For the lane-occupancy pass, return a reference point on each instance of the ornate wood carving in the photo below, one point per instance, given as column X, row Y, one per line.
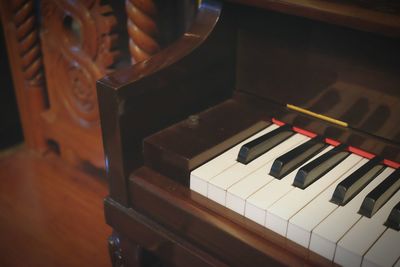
column 24, row 51
column 142, row 29
column 78, row 47
column 28, row 40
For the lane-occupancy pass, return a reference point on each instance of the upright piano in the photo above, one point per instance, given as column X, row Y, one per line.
column 267, row 135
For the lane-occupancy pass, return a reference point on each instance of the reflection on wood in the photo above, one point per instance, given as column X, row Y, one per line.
column 142, row 29
column 50, row 214
column 78, row 44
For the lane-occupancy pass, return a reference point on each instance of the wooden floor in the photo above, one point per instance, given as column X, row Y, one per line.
column 50, row 214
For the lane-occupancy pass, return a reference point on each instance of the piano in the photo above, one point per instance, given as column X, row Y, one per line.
column 267, row 135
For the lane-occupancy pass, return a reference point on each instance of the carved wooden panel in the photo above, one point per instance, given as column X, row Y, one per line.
column 58, row 50
column 78, row 48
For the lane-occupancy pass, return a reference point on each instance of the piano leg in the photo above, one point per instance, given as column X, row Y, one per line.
column 126, row 253
column 115, row 251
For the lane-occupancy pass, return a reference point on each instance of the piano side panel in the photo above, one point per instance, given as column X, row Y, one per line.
column 194, row 73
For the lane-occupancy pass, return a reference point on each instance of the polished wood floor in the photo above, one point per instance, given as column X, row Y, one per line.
column 50, row 214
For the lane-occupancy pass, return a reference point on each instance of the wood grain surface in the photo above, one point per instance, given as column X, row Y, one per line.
column 50, row 214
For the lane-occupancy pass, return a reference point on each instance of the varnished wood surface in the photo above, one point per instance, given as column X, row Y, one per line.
column 180, row 148
column 50, row 214
column 338, row 72
column 371, row 16
column 169, row 84
column 237, row 50
column 228, row 236
column 141, row 234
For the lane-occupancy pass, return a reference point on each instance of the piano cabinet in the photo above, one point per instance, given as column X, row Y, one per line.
column 233, row 70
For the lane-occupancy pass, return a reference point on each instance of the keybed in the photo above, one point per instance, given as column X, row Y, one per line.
column 313, row 193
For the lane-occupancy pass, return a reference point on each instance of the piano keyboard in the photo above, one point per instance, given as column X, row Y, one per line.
column 338, row 204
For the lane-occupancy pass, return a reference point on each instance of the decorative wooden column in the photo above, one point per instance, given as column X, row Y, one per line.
column 142, row 29
column 24, row 50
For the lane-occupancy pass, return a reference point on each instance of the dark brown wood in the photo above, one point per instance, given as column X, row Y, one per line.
column 199, row 74
column 373, row 16
column 304, row 63
column 168, row 247
column 218, row 230
column 50, row 214
column 180, row 148
column 115, row 251
column 261, row 60
column 363, row 140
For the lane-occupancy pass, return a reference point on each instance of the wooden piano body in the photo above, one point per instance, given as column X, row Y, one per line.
column 239, row 63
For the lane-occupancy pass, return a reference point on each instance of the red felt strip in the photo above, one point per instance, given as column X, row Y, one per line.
column 392, row 164
column 304, row 132
column 278, row 122
column 332, row 142
column 361, row 152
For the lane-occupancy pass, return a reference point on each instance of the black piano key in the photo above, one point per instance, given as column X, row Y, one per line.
column 296, row 157
column 264, row 143
column 393, row 221
column 314, row 170
column 380, row 195
column 355, row 182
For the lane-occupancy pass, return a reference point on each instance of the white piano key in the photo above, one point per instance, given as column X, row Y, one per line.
column 302, row 223
column 217, row 186
column 257, row 203
column 281, row 211
column 201, row 175
column 326, row 235
column 238, row 193
column 356, row 242
column 385, row 251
